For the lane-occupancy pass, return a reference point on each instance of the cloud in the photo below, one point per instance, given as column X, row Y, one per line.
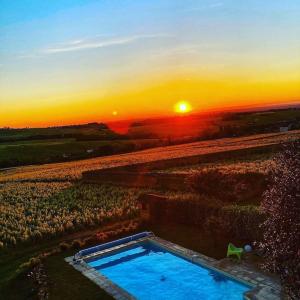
column 216, row 4
column 209, row 6
column 183, row 50
column 79, row 45
column 28, row 56
column 177, row 50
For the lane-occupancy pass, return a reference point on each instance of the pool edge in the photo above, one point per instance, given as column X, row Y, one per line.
column 260, row 290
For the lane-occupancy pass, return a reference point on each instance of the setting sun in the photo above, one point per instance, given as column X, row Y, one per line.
column 182, row 107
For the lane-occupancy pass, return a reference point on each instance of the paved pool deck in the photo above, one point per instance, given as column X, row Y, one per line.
column 264, row 287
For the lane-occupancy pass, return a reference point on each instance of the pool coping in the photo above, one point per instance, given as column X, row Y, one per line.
column 263, row 287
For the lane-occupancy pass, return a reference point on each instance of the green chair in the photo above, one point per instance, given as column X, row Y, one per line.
column 232, row 250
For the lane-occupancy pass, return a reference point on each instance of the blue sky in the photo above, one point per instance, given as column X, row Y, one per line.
column 56, row 52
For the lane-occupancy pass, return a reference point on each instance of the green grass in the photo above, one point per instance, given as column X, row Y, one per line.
column 55, row 150
column 34, row 142
column 64, row 282
column 268, row 118
column 67, row 283
column 85, row 129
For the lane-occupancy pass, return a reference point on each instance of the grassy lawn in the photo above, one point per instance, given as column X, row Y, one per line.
column 61, row 276
column 47, row 151
column 67, row 283
column 63, row 280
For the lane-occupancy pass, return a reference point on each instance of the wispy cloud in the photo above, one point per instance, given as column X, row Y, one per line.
column 177, row 50
column 216, row 4
column 85, row 44
column 97, row 42
column 205, row 7
column 183, row 50
column 28, row 56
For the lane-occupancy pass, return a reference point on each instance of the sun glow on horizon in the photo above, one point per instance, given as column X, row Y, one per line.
column 144, row 59
column 182, row 107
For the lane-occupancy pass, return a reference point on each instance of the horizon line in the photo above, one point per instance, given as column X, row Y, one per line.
column 236, row 109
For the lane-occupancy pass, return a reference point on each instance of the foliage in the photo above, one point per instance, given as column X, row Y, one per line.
column 31, row 211
column 63, row 246
column 233, row 188
column 262, row 165
column 282, row 227
column 211, row 183
column 210, row 214
column 242, row 222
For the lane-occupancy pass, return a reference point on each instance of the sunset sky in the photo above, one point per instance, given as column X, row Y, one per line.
column 74, row 61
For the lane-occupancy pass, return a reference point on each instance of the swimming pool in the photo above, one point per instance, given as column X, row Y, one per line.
column 147, row 270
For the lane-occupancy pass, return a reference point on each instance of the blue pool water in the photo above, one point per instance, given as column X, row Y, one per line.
column 148, row 272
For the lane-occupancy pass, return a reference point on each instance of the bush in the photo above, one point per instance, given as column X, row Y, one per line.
column 242, row 222
column 282, row 227
column 32, row 262
column 232, row 188
column 76, row 244
column 64, row 246
column 211, row 183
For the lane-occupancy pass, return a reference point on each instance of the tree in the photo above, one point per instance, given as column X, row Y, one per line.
column 281, row 203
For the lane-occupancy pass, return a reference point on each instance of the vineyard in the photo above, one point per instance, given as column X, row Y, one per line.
column 31, row 211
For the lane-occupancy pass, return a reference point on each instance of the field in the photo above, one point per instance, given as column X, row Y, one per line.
column 239, row 167
column 28, row 146
column 46, row 200
column 99, row 130
column 46, row 145
column 69, row 171
column 32, row 211
column 58, row 150
column 43, row 205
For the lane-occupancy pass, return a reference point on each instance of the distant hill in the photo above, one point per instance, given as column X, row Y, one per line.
column 211, row 125
column 90, row 131
column 72, row 142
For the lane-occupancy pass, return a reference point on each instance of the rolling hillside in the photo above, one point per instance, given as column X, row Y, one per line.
column 73, row 170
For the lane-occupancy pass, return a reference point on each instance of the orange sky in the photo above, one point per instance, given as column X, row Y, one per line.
column 140, row 59
column 152, row 100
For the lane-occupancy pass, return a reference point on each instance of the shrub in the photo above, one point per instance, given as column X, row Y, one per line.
column 282, row 227
column 90, row 240
column 32, row 262
column 76, row 244
column 244, row 188
column 64, row 246
column 237, row 221
column 211, row 183
column 242, row 222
